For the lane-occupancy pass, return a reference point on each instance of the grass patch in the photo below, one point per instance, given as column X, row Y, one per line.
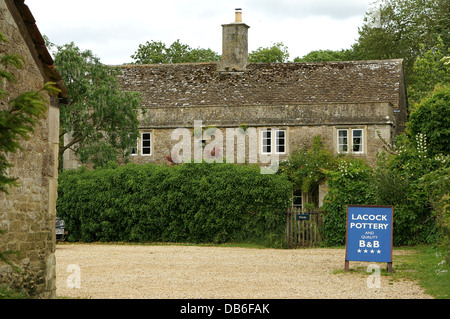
column 6, row 293
column 426, row 265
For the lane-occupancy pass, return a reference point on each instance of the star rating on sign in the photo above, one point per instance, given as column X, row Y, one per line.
column 365, row 251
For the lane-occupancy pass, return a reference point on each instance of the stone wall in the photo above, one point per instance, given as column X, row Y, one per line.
column 297, row 138
column 27, row 213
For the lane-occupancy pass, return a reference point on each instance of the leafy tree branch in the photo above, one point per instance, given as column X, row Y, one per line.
column 100, row 119
column 18, row 115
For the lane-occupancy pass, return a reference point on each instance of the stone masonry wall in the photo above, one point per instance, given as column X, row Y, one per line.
column 297, row 138
column 27, row 213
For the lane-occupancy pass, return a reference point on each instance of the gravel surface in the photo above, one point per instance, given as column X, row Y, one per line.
column 193, row 272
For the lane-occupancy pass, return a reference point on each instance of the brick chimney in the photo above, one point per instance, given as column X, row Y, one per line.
column 234, row 45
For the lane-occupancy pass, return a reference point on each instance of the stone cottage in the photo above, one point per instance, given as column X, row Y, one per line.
column 284, row 105
column 237, row 112
column 27, row 213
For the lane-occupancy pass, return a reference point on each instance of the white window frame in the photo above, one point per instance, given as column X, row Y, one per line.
column 277, row 144
column 146, row 147
column 350, row 139
column 274, row 139
column 361, row 151
column 345, row 142
column 264, row 140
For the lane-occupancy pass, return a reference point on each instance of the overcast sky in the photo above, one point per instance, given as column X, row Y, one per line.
column 113, row 29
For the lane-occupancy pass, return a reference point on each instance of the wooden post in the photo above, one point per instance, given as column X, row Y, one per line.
column 389, row 266
column 347, row 266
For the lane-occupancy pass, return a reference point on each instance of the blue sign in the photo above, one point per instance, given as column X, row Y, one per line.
column 302, row 217
column 369, row 233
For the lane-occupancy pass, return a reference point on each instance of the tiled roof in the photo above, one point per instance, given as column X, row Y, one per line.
column 201, row 84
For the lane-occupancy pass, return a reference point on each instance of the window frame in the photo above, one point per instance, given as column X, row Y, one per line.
column 277, row 144
column 274, row 143
column 361, row 141
column 350, row 140
column 297, row 196
column 150, row 139
column 339, row 130
column 264, row 139
column 136, row 146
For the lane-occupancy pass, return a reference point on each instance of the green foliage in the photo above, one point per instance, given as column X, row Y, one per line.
column 7, row 293
column 401, row 174
column 101, row 118
column 431, row 118
column 428, row 267
column 349, row 184
column 326, row 55
column 22, row 114
column 196, row 203
column 410, row 177
column 402, row 29
column 5, row 259
column 431, row 69
column 156, row 52
column 307, row 168
column 277, row 53
column 437, row 186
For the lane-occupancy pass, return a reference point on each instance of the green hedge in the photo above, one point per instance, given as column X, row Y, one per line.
column 196, row 203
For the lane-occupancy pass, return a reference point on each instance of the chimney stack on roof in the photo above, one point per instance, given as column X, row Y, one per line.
column 234, row 45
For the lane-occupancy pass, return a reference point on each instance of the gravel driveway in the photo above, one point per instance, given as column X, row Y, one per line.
column 193, row 272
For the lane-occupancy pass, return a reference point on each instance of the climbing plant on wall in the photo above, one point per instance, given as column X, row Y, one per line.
column 18, row 114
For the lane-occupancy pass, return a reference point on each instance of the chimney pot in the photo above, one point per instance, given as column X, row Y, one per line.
column 238, row 15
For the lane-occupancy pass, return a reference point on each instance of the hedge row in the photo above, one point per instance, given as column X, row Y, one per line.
column 196, row 203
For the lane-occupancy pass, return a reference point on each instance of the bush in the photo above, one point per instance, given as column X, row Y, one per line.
column 306, row 168
column 408, row 177
column 348, row 185
column 400, row 180
column 430, row 118
column 196, row 203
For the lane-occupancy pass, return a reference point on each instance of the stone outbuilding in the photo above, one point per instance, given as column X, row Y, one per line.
column 27, row 213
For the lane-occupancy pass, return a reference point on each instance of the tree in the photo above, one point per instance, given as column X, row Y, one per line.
column 100, row 119
column 156, row 52
column 21, row 115
column 400, row 28
column 326, row 55
column 277, row 53
column 429, row 70
column 431, row 118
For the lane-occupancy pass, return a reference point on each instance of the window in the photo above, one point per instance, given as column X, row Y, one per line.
column 297, row 200
column 357, row 140
column 271, row 142
column 342, row 141
column 353, row 143
column 280, row 141
column 266, row 142
column 146, row 144
column 134, row 149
